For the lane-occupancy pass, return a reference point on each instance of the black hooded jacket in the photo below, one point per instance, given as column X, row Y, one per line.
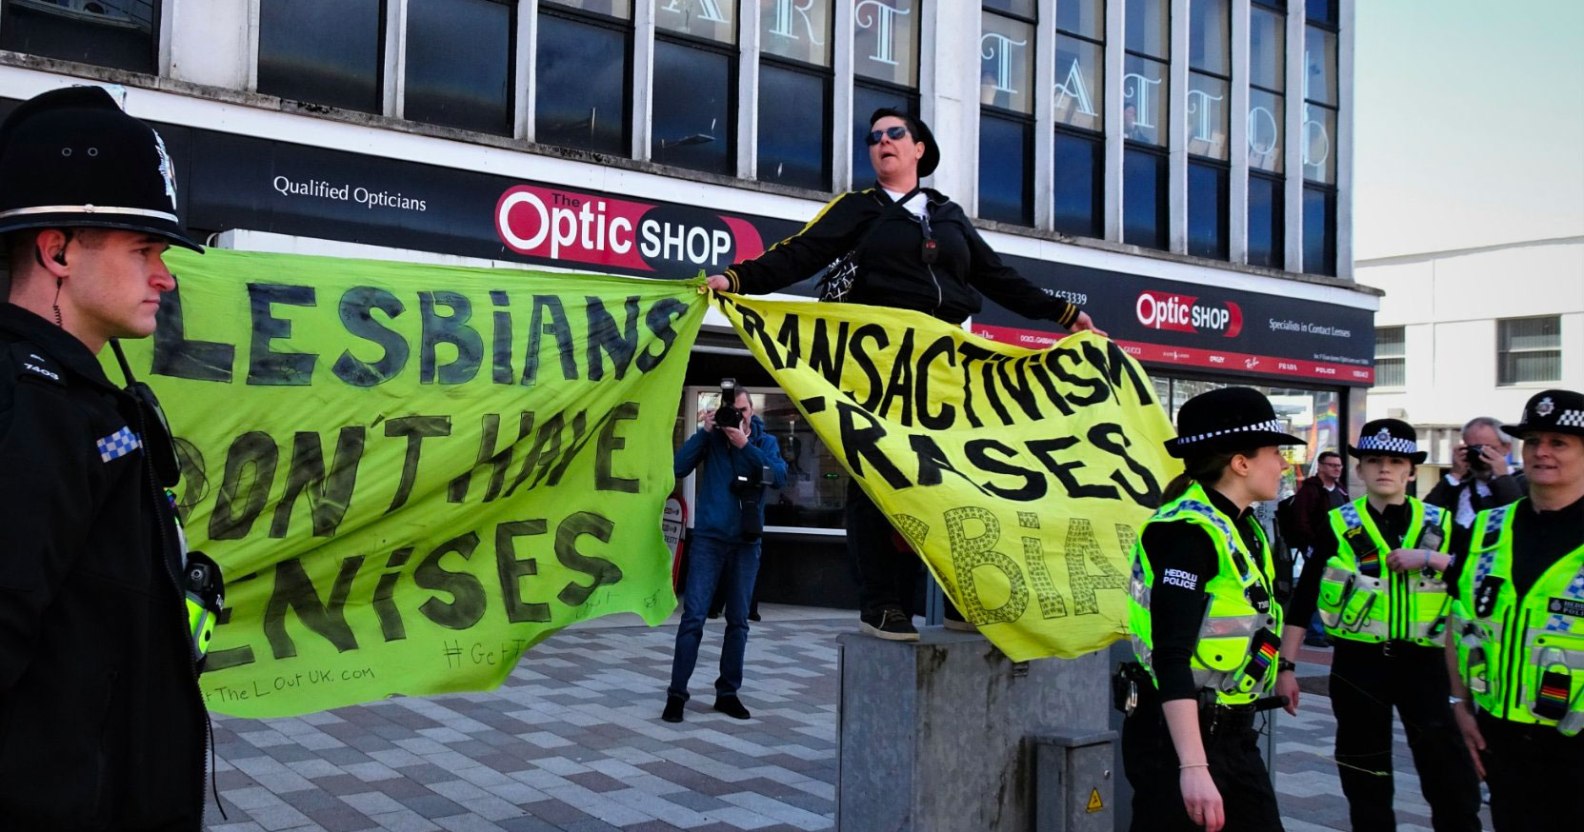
column 891, row 267
column 102, row 725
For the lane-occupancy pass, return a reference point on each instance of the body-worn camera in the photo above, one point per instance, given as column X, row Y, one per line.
column 1476, row 461
column 726, row 416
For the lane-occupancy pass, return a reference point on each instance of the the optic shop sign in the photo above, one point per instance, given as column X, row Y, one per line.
column 1185, row 313
column 593, row 230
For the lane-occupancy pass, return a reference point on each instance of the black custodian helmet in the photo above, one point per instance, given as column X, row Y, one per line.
column 70, row 158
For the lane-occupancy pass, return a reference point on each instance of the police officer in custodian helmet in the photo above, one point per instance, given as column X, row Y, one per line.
column 102, row 725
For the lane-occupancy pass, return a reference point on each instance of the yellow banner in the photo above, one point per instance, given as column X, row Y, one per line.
column 412, row 474
column 1020, row 476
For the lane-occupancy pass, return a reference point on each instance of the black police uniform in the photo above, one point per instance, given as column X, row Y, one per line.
column 102, row 724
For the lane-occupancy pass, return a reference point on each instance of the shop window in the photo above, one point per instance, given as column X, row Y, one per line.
column 459, row 64
column 1077, row 185
column 1144, row 198
column 116, row 33
column 1207, row 210
column 692, row 126
column 1006, row 156
column 323, row 53
column 1319, row 151
column 795, row 82
column 1266, row 218
column 582, row 85
column 885, row 66
column 1529, row 350
column 1078, row 179
column 1390, row 357
column 1006, row 114
column 794, row 148
column 1319, row 230
column 693, row 123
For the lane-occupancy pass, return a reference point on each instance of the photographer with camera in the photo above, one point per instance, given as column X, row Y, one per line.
column 737, row 460
column 1481, row 477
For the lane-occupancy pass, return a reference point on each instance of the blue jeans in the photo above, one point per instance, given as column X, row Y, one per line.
column 711, row 561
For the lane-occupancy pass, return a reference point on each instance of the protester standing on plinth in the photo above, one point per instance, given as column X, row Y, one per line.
column 1516, row 646
column 1376, row 579
column 1206, row 626
column 906, row 247
column 102, row 725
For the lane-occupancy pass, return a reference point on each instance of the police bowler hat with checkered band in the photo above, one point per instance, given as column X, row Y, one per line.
column 70, row 158
column 1228, row 419
column 1554, row 411
column 1388, row 437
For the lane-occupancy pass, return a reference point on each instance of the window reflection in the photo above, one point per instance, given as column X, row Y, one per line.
column 692, row 122
column 459, row 64
column 1207, row 210
column 714, row 20
column 1319, row 231
column 885, row 40
column 793, row 148
column 1148, row 25
column 1266, row 212
column 113, row 33
column 582, row 93
column 1265, row 120
column 1006, row 65
column 796, row 29
column 1080, row 83
column 1005, row 156
column 1076, row 185
column 1209, row 103
column 325, row 53
column 1144, row 100
column 1144, row 198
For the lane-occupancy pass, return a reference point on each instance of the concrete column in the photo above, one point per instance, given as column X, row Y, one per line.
column 938, row 735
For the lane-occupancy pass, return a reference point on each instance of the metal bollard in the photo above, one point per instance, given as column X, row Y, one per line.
column 1073, row 775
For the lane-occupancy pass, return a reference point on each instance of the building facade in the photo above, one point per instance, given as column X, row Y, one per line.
column 1474, row 332
column 1182, row 168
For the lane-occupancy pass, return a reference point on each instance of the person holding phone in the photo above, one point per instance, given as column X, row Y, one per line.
column 1481, row 477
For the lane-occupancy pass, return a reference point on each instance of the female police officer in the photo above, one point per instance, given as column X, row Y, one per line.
column 1516, row 647
column 1377, row 580
column 1205, row 626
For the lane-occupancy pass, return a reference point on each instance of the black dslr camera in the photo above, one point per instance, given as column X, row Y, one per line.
column 726, row 416
column 1475, row 457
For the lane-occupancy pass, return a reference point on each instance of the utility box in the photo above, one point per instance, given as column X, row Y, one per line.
column 933, row 735
column 1073, row 777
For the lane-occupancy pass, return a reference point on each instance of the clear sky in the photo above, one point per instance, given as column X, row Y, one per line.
column 1470, row 123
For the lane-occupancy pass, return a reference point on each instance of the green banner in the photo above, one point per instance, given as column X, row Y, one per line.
column 411, row 474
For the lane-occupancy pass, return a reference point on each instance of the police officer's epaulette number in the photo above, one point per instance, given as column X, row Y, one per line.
column 30, row 362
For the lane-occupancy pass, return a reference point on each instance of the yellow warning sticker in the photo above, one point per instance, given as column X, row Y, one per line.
column 1094, row 801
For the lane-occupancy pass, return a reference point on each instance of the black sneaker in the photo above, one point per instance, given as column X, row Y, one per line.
column 673, row 708
column 731, row 706
column 890, row 624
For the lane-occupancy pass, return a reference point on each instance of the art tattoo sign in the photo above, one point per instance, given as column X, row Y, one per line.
column 1019, row 475
column 411, row 474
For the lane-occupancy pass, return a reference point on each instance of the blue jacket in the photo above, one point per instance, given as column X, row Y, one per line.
column 717, row 512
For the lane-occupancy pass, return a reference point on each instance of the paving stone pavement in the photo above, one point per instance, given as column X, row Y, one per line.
column 573, row 743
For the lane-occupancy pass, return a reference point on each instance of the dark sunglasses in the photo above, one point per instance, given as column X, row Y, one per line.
column 896, row 133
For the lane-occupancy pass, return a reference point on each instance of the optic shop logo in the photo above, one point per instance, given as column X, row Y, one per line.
column 673, row 240
column 1181, row 313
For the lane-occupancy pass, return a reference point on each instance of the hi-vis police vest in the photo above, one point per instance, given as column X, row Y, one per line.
column 1521, row 657
column 1363, row 600
column 1235, row 655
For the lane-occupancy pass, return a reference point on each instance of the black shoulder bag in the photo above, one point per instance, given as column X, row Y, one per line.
column 836, row 281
